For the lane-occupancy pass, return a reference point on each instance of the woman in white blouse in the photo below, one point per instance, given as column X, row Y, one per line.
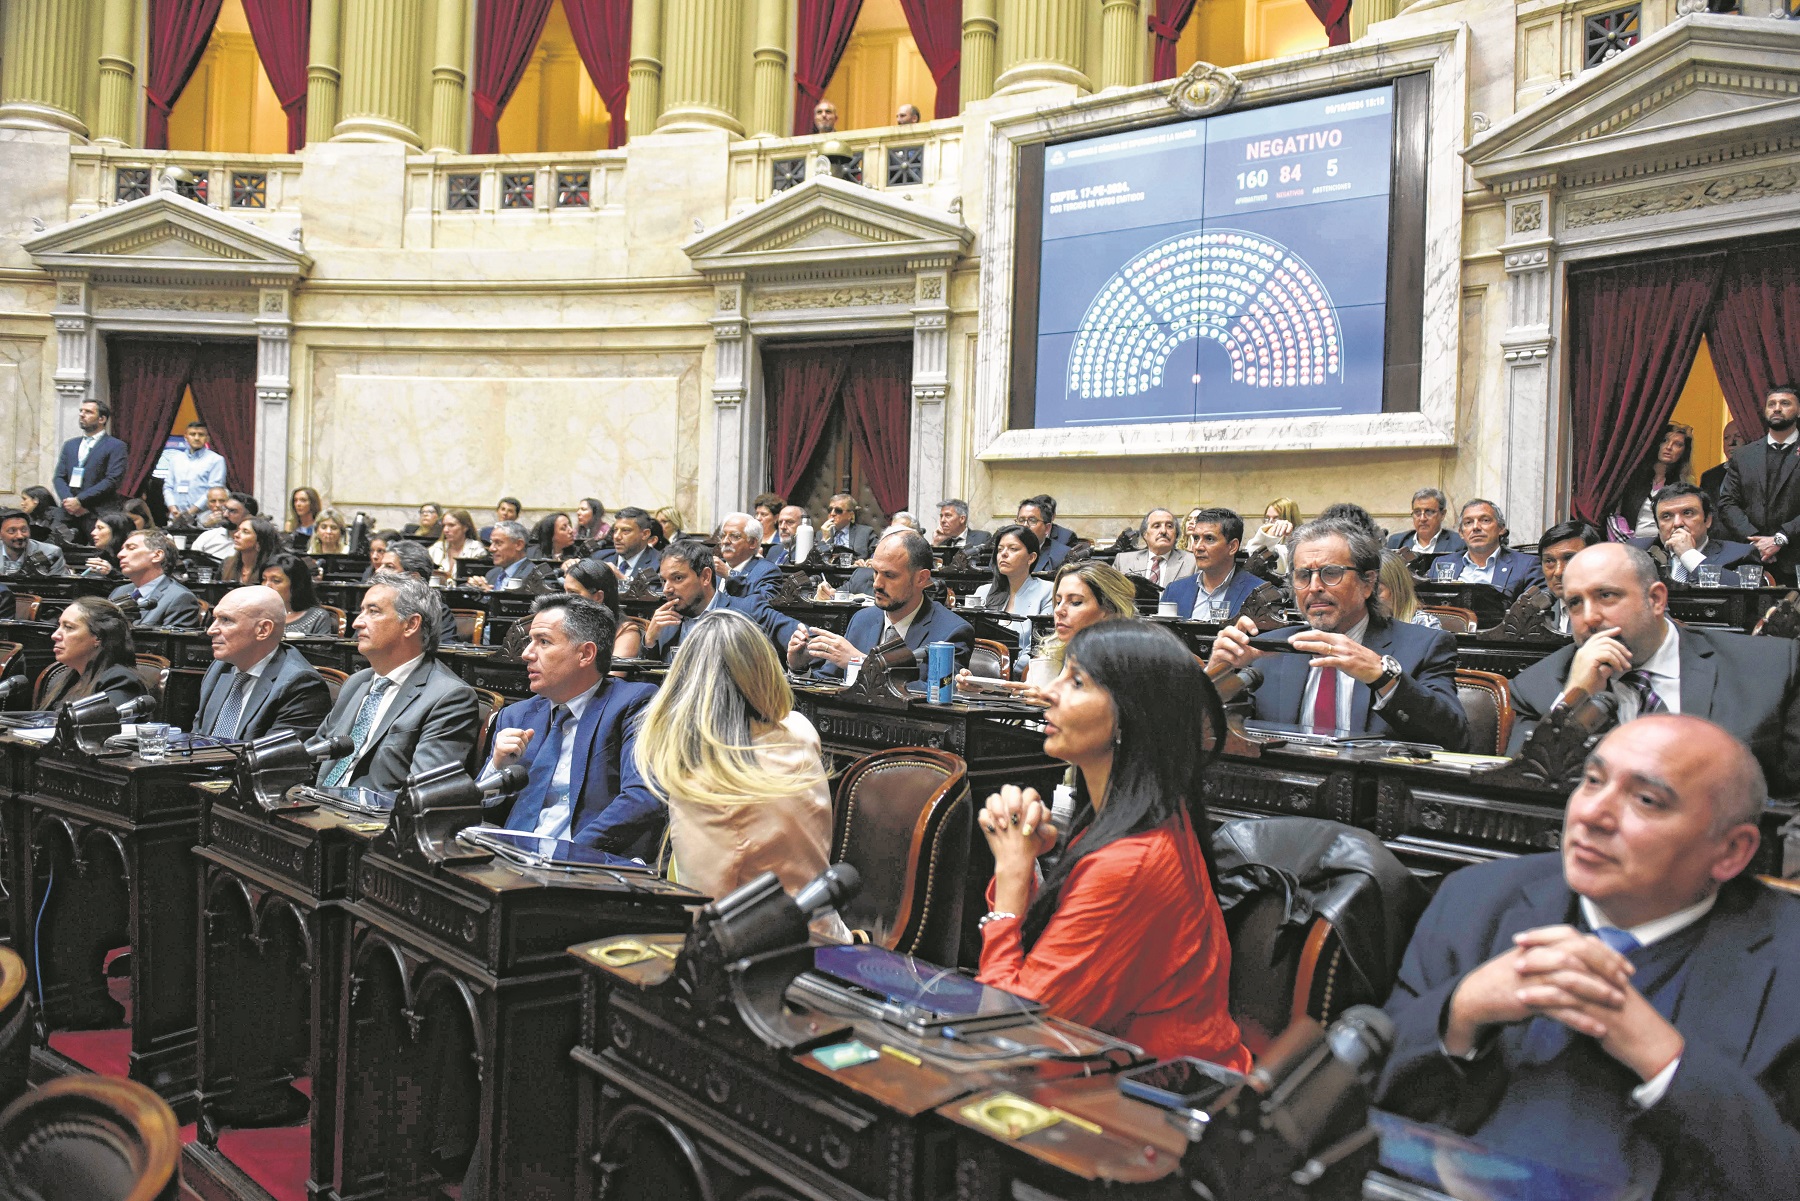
column 1013, row 589
column 457, row 541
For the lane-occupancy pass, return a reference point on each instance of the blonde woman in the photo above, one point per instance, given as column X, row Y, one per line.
column 1394, row 587
column 328, row 535
column 1280, row 520
column 457, row 539
column 738, row 766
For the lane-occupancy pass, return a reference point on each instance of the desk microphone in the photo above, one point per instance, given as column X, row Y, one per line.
column 509, row 781
column 136, row 707
column 13, row 686
column 335, row 747
column 835, row 886
column 1239, row 683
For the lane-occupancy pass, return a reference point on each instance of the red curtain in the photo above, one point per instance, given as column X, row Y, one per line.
column 506, row 32
column 801, row 384
column 937, row 28
column 281, row 31
column 878, row 409
column 821, row 32
column 148, row 377
column 224, row 384
column 1334, row 15
column 1755, row 330
column 1635, row 328
column 176, row 39
column 1167, row 22
column 602, row 30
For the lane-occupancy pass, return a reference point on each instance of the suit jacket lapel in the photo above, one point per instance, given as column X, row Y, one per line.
column 921, row 626
column 262, row 690
column 414, row 685
column 583, row 752
column 1784, row 470
column 1699, row 674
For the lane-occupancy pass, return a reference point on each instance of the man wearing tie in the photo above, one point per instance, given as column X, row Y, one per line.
column 1759, row 501
column 1159, row 562
column 89, row 469
column 841, row 531
column 631, row 551
column 901, row 566
column 1559, row 545
column 160, row 601
column 740, row 538
column 189, row 474
column 577, row 736
column 406, row 712
column 689, row 591
column 512, row 571
column 257, row 684
column 1684, row 525
column 953, row 532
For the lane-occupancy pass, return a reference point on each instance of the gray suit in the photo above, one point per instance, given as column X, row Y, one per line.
column 433, row 721
column 171, row 606
column 288, row 695
column 1177, row 564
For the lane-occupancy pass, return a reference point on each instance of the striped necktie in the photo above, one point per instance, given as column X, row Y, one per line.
column 359, row 733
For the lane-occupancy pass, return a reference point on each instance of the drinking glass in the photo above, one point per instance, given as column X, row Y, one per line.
column 1706, row 576
column 153, row 741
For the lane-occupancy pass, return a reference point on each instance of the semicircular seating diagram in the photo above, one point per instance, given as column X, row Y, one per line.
column 1259, row 300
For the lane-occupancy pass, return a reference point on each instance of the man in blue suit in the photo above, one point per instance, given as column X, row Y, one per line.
column 787, row 523
column 1355, row 669
column 631, row 551
column 1684, row 524
column 1217, row 590
column 747, row 572
column 1622, row 1009
column 577, row 736
column 902, row 568
column 1428, row 535
column 1038, row 514
column 690, row 591
column 1486, row 559
column 90, row 468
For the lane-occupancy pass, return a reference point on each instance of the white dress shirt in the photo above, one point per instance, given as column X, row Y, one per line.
column 559, row 807
column 1346, row 685
column 1203, row 596
column 1426, row 548
column 1472, row 574
column 214, row 543
column 1664, row 668
column 79, row 471
column 398, row 678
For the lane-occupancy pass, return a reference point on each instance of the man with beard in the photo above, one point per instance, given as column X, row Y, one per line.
column 89, row 469
column 1759, row 502
column 689, row 590
column 901, row 566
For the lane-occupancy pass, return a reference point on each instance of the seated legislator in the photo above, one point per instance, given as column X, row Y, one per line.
column 902, row 569
column 1625, row 644
column 257, row 685
column 291, row 579
column 23, row 555
column 1556, row 549
column 1428, row 535
column 577, row 736
column 512, row 571
column 159, row 599
column 738, row 766
column 1684, row 539
column 1623, row 1009
column 1218, row 588
column 631, row 550
column 1487, row 559
column 1394, row 588
column 379, row 542
column 1361, row 672
column 842, row 531
column 688, row 593
column 93, row 652
column 787, row 522
column 1038, row 514
column 406, row 712
column 1161, row 561
column 216, row 541
column 413, row 559
column 507, row 508
column 740, row 547
column 1124, row 933
column 953, row 532
column 1012, row 588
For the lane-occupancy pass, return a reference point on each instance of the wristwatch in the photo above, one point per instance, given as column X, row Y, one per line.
column 1390, row 671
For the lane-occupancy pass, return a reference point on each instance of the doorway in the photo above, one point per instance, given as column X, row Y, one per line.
column 840, row 420
column 153, row 381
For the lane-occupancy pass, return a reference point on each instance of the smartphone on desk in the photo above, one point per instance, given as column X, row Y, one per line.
column 1185, row 1083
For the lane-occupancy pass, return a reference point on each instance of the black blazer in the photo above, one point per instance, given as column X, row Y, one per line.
column 289, row 695
column 934, row 623
column 1748, row 685
column 432, row 722
column 1748, row 506
column 120, row 682
column 1449, row 542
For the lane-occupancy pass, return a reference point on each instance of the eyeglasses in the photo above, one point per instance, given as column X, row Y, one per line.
column 841, row 509
column 1330, row 575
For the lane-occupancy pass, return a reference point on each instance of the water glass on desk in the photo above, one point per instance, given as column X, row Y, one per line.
column 1750, row 575
column 1166, row 609
column 153, row 741
column 1706, row 576
column 1443, row 571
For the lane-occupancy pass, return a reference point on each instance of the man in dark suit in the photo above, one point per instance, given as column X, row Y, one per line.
column 1620, row 1010
column 841, row 531
column 631, row 551
column 1625, row 644
column 953, row 530
column 9, row 604
column 508, row 509
column 1760, row 498
column 1486, row 559
column 412, row 559
column 1712, row 480
column 577, row 736
column 1217, row 590
column 902, row 570
column 787, row 523
column 689, row 592
column 1556, row 550
column 160, row 600
column 257, row 684
column 1038, row 514
column 89, row 469
column 1357, row 670
column 23, row 555
column 512, row 571
column 1428, row 535
column 1684, row 541
column 748, row 573
column 406, row 712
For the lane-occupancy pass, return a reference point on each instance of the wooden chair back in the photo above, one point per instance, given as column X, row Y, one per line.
column 991, row 660
column 470, row 624
column 154, row 671
column 1487, row 701
column 488, row 704
column 334, row 680
column 1454, row 618
column 27, row 605
column 343, row 619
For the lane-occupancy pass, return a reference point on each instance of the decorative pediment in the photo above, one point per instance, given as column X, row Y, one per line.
column 826, row 225
column 1701, row 88
column 166, row 235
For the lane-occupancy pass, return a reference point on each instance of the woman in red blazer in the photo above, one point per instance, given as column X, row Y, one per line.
column 1124, row 934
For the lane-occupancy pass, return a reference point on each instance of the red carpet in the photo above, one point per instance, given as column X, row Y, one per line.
column 276, row 1158
column 104, row 1052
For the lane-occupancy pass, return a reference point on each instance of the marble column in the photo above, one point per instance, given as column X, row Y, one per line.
column 1121, row 44
column 979, row 31
column 381, row 60
column 930, row 384
column 643, row 102
column 41, row 72
column 1528, row 347
column 737, row 428
column 769, row 71
column 114, row 123
column 1040, row 45
column 322, row 61
column 700, row 76
column 449, row 132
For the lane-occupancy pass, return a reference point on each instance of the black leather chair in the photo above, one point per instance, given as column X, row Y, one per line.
column 990, row 660
column 90, row 1138
column 1487, row 701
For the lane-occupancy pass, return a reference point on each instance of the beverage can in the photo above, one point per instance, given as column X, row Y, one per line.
column 940, row 672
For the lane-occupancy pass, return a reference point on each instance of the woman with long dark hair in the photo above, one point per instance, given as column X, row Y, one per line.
column 292, row 581
column 590, row 521
column 1670, row 461
column 599, row 583
column 254, row 543
column 92, row 646
column 108, row 538
column 1124, row 934
column 1012, row 588
column 553, row 537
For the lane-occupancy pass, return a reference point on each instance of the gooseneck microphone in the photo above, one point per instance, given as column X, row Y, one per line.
column 1241, row 682
column 335, row 747
column 835, row 886
column 13, row 686
column 508, row 781
column 136, row 707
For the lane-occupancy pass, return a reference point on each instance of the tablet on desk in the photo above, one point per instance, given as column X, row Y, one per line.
column 535, row 850
column 920, row 996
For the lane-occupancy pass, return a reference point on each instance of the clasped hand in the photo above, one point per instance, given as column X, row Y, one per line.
column 807, row 645
column 1017, row 825
column 1599, row 661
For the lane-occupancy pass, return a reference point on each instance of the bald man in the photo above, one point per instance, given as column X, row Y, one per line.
column 257, row 684
column 740, row 549
column 1626, row 645
column 1620, row 1009
column 781, row 550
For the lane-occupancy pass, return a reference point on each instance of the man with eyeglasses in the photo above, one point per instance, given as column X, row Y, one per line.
column 1428, row 535
column 1038, row 514
column 841, row 531
column 1353, row 669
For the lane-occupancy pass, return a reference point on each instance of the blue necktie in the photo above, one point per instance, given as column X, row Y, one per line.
column 525, row 814
column 1619, row 940
column 232, row 711
column 1545, row 1038
column 359, row 733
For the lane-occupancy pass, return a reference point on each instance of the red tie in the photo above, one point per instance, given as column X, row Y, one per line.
column 1156, row 569
column 1325, row 700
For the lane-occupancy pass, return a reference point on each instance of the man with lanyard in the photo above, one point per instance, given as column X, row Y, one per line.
column 189, row 474
column 89, row 469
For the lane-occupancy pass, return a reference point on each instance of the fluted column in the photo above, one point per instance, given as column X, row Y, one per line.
column 322, row 59
column 45, row 46
column 381, row 58
column 449, row 126
column 769, row 71
column 643, row 102
column 1121, row 44
column 979, row 31
column 1040, row 44
column 700, row 74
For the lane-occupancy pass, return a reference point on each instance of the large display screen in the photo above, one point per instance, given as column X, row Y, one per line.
column 1225, row 267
